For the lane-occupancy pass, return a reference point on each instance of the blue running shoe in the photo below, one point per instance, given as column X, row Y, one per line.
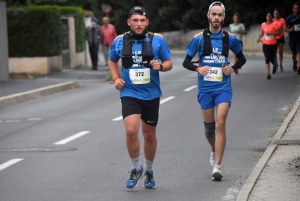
column 149, row 182
column 134, row 177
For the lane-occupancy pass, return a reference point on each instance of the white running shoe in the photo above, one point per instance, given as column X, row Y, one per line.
column 216, row 174
column 212, row 159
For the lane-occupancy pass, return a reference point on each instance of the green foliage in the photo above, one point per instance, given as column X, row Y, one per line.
column 172, row 15
column 37, row 30
column 34, row 31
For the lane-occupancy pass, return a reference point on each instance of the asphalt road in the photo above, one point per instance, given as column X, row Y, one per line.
column 71, row 145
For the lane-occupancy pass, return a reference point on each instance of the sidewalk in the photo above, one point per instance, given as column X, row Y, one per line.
column 16, row 91
column 276, row 177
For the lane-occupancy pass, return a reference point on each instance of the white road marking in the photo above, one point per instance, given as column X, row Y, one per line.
column 161, row 102
column 190, row 88
column 9, row 163
column 166, row 99
column 34, row 119
column 73, row 137
column 118, row 118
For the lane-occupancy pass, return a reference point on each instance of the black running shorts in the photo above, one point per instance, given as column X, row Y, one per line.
column 149, row 109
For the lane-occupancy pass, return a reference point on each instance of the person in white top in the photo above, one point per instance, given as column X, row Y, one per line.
column 238, row 29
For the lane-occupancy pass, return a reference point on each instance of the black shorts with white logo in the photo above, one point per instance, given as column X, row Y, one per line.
column 149, row 109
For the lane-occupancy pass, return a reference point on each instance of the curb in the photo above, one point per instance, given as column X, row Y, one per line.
column 36, row 93
column 250, row 183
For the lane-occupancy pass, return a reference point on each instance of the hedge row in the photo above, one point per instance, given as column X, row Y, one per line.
column 37, row 31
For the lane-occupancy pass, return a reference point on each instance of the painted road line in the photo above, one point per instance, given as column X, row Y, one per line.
column 190, row 88
column 73, row 137
column 161, row 102
column 118, row 118
column 166, row 99
column 10, row 163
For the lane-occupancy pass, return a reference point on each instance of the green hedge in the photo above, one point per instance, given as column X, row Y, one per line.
column 36, row 30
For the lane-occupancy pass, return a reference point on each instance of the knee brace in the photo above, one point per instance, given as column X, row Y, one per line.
column 210, row 129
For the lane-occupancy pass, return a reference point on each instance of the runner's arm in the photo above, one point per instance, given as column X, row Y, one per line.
column 187, row 63
column 167, row 65
column 240, row 62
column 114, row 69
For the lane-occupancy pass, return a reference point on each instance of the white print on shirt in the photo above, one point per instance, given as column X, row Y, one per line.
column 215, row 57
column 137, row 57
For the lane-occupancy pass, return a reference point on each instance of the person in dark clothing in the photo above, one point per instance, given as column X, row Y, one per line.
column 93, row 36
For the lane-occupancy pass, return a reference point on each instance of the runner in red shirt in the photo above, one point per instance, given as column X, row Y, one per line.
column 269, row 31
column 280, row 38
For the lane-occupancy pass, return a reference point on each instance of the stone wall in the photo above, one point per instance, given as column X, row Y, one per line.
column 178, row 40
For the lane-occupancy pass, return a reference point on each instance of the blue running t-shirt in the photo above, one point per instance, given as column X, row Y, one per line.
column 149, row 88
column 215, row 60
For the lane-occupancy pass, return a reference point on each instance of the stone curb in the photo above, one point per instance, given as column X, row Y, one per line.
column 252, row 179
column 32, row 94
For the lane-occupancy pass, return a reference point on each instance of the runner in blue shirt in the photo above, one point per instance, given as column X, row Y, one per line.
column 214, row 83
column 292, row 25
column 144, row 55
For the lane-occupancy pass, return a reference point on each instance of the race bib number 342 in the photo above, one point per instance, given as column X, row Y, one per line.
column 139, row 76
column 215, row 74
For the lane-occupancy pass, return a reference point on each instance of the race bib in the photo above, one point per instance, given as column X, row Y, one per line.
column 139, row 76
column 215, row 74
column 297, row 27
column 269, row 37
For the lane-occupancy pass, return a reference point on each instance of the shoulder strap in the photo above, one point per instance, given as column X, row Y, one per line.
column 207, row 49
column 127, row 50
column 225, row 40
column 147, row 51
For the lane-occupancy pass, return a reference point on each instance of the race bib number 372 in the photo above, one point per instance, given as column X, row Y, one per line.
column 215, row 74
column 139, row 76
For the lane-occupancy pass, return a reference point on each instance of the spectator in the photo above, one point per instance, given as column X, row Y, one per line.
column 109, row 34
column 93, row 35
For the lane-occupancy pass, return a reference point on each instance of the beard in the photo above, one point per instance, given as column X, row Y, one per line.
column 215, row 26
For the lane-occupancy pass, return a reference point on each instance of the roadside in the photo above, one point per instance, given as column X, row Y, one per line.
column 19, row 90
column 276, row 175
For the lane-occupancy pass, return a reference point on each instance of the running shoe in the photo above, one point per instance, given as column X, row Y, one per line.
column 298, row 71
column 134, row 177
column 149, row 182
column 212, row 158
column 281, row 68
column 269, row 77
column 295, row 66
column 216, row 174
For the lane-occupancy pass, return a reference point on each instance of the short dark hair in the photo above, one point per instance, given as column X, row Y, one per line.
column 138, row 10
column 237, row 14
column 296, row 4
column 277, row 9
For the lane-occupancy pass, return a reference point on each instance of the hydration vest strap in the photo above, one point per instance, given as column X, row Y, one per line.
column 127, row 50
column 147, row 51
column 207, row 49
